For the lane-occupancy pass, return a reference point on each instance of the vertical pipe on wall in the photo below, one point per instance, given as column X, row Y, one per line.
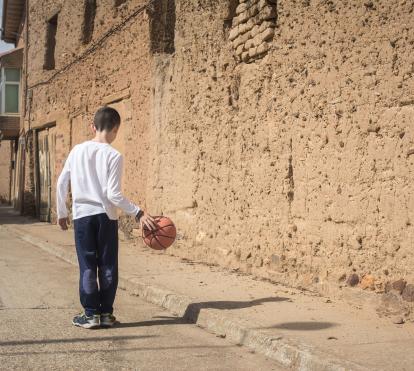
column 36, row 175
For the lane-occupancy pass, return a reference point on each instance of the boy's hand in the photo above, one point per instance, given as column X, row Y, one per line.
column 63, row 223
column 147, row 221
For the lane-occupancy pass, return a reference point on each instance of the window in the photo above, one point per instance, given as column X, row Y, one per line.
column 51, row 43
column 10, row 91
column 162, row 27
column 119, row 2
column 231, row 13
column 88, row 21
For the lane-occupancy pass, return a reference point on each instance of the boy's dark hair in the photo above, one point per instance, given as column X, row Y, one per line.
column 106, row 118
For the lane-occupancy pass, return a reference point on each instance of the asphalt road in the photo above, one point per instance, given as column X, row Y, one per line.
column 38, row 298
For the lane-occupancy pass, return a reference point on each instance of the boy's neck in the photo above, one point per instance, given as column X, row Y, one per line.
column 101, row 137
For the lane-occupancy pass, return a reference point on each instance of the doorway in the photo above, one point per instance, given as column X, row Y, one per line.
column 45, row 171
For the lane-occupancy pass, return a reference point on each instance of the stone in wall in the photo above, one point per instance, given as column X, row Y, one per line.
column 253, row 28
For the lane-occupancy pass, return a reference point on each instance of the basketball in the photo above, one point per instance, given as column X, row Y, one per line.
column 163, row 237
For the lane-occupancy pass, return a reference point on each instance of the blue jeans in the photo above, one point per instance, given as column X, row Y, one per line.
column 96, row 239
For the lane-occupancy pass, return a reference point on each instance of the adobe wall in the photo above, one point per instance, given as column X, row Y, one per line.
column 293, row 161
column 106, row 76
column 298, row 164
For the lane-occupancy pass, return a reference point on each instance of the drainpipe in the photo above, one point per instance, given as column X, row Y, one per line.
column 26, row 59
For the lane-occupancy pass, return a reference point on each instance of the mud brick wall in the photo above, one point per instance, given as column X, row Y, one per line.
column 117, row 73
column 296, row 166
column 293, row 162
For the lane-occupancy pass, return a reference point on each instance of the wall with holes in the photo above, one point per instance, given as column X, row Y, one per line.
column 285, row 139
column 279, row 137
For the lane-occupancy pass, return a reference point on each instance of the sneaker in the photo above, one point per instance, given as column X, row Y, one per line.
column 82, row 320
column 107, row 320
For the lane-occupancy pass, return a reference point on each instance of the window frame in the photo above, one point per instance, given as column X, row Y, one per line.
column 118, row 3
column 89, row 16
column 52, row 25
column 3, row 86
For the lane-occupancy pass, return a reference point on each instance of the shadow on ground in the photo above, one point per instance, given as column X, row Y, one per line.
column 166, row 321
column 193, row 310
column 303, row 326
column 116, row 350
column 10, row 216
column 72, row 340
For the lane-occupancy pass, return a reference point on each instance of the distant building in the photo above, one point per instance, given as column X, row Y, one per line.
column 10, row 100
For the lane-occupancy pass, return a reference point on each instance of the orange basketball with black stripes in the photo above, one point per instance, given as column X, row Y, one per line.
column 163, row 237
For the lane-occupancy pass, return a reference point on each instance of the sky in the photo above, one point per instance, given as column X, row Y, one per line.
column 3, row 46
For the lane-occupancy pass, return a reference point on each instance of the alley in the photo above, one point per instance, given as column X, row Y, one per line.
column 38, row 297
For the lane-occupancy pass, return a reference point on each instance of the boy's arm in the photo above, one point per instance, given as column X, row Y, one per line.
column 62, row 192
column 114, row 193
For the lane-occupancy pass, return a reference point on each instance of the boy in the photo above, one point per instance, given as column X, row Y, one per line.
column 94, row 169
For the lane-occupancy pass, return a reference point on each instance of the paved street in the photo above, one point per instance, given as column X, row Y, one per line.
column 38, row 297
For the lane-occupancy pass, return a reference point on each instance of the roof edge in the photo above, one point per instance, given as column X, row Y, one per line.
column 13, row 12
column 3, row 20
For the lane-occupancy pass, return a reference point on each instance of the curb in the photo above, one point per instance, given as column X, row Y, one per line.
column 293, row 356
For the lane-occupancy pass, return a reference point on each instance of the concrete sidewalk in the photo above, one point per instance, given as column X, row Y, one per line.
column 299, row 330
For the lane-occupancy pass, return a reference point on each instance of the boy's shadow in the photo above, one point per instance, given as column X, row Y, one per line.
column 193, row 311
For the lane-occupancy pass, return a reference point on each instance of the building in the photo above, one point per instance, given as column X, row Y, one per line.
column 278, row 136
column 11, row 103
column 10, row 92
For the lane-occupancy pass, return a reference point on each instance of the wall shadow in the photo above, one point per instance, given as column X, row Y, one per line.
column 193, row 310
column 116, row 350
column 8, row 215
column 303, row 326
column 73, row 340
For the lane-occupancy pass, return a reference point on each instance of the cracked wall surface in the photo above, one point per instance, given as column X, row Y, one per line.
column 296, row 166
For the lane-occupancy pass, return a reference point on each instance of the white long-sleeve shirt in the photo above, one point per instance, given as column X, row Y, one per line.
column 94, row 170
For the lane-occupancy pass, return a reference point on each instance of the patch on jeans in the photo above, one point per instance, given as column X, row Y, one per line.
column 89, row 283
column 106, row 277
